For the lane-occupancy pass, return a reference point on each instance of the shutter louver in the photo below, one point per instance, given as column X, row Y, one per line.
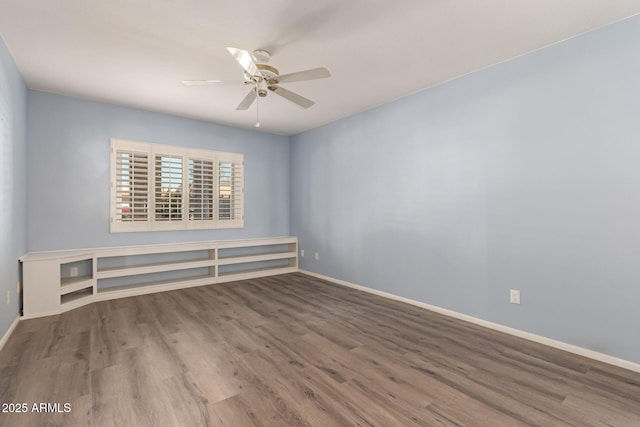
column 229, row 191
column 168, row 188
column 132, row 190
column 201, row 190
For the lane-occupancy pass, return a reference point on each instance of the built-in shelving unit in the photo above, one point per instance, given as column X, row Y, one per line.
column 58, row 281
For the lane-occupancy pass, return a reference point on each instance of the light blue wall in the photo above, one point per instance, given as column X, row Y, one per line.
column 525, row 175
column 13, row 183
column 69, row 172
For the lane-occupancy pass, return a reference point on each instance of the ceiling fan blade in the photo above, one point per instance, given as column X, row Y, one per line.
column 207, row 82
column 293, row 97
column 245, row 60
column 315, row 73
column 247, row 101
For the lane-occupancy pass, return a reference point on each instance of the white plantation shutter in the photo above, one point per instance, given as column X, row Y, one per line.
column 132, row 189
column 168, row 188
column 201, row 190
column 129, row 187
column 162, row 187
column 230, row 192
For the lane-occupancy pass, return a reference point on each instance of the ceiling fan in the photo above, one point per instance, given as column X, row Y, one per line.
column 265, row 78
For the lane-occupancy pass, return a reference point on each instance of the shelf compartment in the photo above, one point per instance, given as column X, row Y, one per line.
column 269, row 241
column 73, row 284
column 154, row 286
column 228, row 260
column 252, row 273
column 148, row 257
column 159, row 267
column 231, row 252
column 82, row 265
column 76, row 298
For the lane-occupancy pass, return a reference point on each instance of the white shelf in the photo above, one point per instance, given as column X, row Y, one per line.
column 46, row 293
column 115, row 251
column 228, row 244
column 160, row 267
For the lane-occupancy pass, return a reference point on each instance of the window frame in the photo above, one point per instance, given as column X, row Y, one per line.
column 186, row 154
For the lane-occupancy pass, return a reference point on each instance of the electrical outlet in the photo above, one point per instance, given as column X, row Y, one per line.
column 73, row 272
column 18, row 287
column 317, row 256
column 8, row 297
column 514, row 296
column 302, row 253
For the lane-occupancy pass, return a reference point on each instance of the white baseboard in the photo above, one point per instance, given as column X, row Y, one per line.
column 611, row 360
column 6, row 336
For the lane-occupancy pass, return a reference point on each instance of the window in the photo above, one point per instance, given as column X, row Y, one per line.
column 161, row 187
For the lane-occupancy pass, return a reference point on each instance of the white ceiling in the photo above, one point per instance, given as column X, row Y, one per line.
column 136, row 52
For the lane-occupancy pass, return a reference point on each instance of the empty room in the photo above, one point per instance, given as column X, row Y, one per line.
column 328, row 213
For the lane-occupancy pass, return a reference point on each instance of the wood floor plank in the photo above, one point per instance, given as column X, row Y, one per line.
column 296, row 350
column 232, row 412
column 338, row 363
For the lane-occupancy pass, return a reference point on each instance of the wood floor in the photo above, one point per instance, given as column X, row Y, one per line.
column 295, row 350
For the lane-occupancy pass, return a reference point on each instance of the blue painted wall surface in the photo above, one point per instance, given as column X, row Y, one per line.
column 525, row 175
column 69, row 172
column 13, row 183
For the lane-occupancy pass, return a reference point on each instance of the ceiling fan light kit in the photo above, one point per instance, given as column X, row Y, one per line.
column 265, row 78
column 261, row 87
